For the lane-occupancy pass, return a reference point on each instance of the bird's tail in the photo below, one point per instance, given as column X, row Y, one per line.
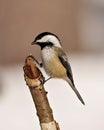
column 75, row 90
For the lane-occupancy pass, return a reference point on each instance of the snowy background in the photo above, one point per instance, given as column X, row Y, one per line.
column 17, row 111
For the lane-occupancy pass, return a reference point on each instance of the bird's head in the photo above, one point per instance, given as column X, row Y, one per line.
column 47, row 39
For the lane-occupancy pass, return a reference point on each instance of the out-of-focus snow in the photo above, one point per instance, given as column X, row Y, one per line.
column 17, row 111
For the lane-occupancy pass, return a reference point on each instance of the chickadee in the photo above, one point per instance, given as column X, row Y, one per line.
column 54, row 59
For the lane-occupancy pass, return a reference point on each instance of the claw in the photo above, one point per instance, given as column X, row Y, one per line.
column 47, row 80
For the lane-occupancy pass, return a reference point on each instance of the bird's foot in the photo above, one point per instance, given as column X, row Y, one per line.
column 40, row 64
column 47, row 80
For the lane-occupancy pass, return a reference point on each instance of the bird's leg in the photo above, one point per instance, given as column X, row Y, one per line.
column 40, row 64
column 47, row 79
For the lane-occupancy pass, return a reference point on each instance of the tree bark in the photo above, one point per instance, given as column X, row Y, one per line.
column 35, row 80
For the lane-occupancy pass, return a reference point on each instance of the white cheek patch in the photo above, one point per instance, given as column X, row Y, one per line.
column 50, row 38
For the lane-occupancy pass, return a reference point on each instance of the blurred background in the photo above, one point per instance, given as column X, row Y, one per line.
column 80, row 27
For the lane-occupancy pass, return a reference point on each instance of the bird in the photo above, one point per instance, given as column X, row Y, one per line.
column 54, row 59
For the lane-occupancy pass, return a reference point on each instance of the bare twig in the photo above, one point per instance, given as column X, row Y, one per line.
column 34, row 79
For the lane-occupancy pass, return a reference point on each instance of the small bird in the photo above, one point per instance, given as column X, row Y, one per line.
column 54, row 59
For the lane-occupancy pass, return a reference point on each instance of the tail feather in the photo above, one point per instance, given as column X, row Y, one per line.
column 76, row 91
column 78, row 95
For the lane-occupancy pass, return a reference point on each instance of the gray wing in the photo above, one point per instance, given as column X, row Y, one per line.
column 63, row 58
column 64, row 61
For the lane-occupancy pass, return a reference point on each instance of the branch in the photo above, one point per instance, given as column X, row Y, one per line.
column 34, row 79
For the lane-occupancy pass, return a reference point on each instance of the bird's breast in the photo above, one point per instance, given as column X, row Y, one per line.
column 52, row 63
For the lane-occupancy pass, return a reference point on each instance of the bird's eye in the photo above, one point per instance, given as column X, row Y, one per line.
column 47, row 41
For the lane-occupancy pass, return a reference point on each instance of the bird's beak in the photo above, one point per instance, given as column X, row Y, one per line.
column 33, row 43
